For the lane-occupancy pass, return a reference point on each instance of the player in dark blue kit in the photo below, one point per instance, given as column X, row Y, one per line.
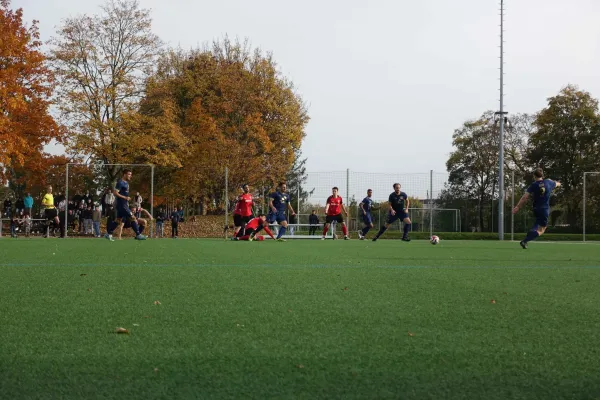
column 124, row 214
column 366, row 205
column 399, row 204
column 540, row 189
column 279, row 203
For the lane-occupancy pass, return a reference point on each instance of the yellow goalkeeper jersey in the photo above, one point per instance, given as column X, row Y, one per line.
column 48, row 201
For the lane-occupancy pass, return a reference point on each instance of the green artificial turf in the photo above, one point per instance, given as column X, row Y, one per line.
column 301, row 320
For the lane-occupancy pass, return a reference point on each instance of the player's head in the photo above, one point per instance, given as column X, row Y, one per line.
column 263, row 217
column 314, row 211
column 369, row 193
column 127, row 174
column 397, row 187
column 246, row 188
column 282, row 186
column 49, row 188
column 538, row 173
column 335, row 190
column 133, row 209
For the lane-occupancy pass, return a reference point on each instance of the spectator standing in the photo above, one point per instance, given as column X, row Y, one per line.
column 7, row 206
column 28, row 203
column 109, row 202
column 14, row 222
column 80, row 216
column 160, row 223
column 88, row 216
column 181, row 214
column 175, row 218
column 19, row 206
column 313, row 220
column 27, row 222
column 137, row 200
column 97, row 218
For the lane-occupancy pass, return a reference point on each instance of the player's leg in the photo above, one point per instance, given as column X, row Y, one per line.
column 326, row 226
column 389, row 221
column 282, row 221
column 238, row 223
column 538, row 229
column 407, row 226
column 142, row 224
column 340, row 220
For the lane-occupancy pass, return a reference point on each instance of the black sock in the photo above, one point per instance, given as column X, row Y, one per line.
column 381, row 230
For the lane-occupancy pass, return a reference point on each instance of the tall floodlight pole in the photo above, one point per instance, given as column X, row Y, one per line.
column 501, row 151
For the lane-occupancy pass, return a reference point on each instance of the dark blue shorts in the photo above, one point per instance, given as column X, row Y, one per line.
column 278, row 217
column 393, row 218
column 541, row 216
column 367, row 219
column 124, row 213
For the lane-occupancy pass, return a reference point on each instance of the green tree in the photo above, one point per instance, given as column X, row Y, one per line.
column 566, row 143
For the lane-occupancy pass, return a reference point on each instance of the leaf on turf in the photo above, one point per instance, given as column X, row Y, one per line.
column 299, row 366
column 157, row 303
column 82, row 274
column 122, row 331
column 493, row 301
column 136, row 324
column 411, row 334
column 90, row 289
column 504, row 293
column 289, row 310
column 345, row 289
column 156, row 370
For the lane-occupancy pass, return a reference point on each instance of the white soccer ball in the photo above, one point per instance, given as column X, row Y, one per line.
column 434, row 240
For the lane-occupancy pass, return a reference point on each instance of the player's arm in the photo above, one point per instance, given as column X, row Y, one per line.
column 557, row 183
column 407, row 204
column 361, row 205
column 345, row 209
column 147, row 213
column 291, row 209
column 327, row 208
column 523, row 200
column 119, row 195
column 266, row 228
column 271, row 206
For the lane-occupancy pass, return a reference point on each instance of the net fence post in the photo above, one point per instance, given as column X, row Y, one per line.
column 152, row 200
column 584, row 203
column 348, row 195
column 226, row 201
column 512, row 215
column 431, row 203
column 67, row 202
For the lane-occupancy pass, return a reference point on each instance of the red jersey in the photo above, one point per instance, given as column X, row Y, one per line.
column 244, row 205
column 335, row 205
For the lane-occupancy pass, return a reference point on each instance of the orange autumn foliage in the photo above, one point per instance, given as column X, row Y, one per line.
column 26, row 85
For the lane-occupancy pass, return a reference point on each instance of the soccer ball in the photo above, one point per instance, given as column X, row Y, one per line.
column 434, row 240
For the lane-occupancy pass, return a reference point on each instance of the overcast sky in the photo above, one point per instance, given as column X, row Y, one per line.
column 387, row 82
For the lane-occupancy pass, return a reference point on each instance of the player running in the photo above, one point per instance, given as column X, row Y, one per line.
column 253, row 227
column 121, row 192
column 398, row 203
column 279, row 203
column 366, row 205
column 243, row 210
column 333, row 211
column 540, row 189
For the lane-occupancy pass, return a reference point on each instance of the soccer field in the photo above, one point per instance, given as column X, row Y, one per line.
column 303, row 319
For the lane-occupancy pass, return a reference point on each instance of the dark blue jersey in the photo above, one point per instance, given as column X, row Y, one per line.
column 123, row 187
column 367, row 204
column 398, row 201
column 541, row 191
column 280, row 201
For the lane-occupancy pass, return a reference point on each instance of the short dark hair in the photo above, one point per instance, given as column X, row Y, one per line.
column 335, row 188
column 282, row 183
column 261, row 215
column 538, row 173
column 396, row 184
column 126, row 171
column 369, row 190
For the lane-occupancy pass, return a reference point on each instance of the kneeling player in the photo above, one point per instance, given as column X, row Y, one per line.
column 253, row 227
column 124, row 214
column 399, row 204
column 333, row 210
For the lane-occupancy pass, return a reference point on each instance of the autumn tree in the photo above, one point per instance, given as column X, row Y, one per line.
column 26, row 86
column 102, row 63
column 235, row 109
column 566, row 143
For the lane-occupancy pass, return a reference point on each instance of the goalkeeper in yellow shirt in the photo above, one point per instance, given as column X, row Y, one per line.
column 51, row 213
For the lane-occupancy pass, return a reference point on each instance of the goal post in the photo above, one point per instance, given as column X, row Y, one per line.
column 100, row 167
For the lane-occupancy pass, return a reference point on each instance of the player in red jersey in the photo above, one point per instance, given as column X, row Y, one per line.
column 243, row 210
column 333, row 209
column 253, row 227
